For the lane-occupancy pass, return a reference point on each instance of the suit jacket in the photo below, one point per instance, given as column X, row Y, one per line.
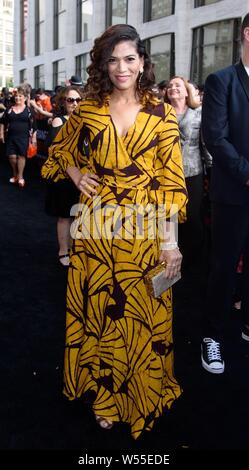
column 225, row 124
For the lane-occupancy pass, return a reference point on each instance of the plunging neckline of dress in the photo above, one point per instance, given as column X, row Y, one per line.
column 122, row 137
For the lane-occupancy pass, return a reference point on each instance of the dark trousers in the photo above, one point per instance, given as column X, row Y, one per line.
column 230, row 239
column 191, row 232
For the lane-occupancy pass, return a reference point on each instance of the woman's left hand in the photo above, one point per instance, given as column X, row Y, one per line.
column 173, row 260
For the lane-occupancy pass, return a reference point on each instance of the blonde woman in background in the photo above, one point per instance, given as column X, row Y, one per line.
column 183, row 97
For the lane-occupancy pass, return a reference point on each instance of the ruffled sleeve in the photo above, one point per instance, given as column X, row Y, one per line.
column 168, row 190
column 68, row 149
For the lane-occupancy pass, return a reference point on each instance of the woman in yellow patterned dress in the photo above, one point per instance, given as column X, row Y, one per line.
column 119, row 348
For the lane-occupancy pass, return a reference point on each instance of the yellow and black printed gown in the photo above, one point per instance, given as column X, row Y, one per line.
column 119, row 349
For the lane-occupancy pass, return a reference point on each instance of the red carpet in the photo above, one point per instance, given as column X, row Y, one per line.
column 213, row 411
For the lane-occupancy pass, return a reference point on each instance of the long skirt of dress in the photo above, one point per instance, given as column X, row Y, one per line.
column 119, row 348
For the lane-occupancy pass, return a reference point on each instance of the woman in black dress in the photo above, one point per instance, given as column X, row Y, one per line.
column 62, row 195
column 17, row 120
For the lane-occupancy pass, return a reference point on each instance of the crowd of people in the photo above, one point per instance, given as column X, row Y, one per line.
column 118, row 143
column 26, row 116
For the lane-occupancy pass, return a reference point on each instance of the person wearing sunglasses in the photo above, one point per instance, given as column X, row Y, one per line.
column 70, row 100
column 61, row 196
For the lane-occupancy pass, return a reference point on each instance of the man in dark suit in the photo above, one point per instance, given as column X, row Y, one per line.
column 226, row 135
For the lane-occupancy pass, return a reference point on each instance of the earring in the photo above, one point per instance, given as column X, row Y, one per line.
column 140, row 78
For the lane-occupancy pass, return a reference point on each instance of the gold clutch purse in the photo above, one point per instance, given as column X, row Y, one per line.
column 156, row 282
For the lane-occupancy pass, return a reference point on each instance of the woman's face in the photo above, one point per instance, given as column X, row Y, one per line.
column 71, row 101
column 176, row 89
column 124, row 65
column 19, row 99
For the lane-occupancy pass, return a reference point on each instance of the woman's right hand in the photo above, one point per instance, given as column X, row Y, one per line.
column 87, row 184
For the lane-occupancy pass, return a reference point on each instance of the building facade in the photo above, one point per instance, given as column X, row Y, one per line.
column 6, row 42
column 190, row 38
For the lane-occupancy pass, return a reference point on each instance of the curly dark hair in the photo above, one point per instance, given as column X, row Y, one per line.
column 98, row 85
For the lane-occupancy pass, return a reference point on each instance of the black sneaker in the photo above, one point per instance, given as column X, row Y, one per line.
column 245, row 333
column 211, row 356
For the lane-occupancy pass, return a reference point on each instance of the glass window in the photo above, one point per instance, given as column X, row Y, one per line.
column 154, row 9
column 81, row 63
column 215, row 46
column 161, row 50
column 62, row 5
column 39, row 27
column 59, row 73
column 9, row 82
column 23, row 75
column 23, row 28
column 39, row 76
column 59, row 23
column 7, row 4
column 8, row 60
column 201, row 3
column 84, row 21
column 116, row 12
column 62, row 30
